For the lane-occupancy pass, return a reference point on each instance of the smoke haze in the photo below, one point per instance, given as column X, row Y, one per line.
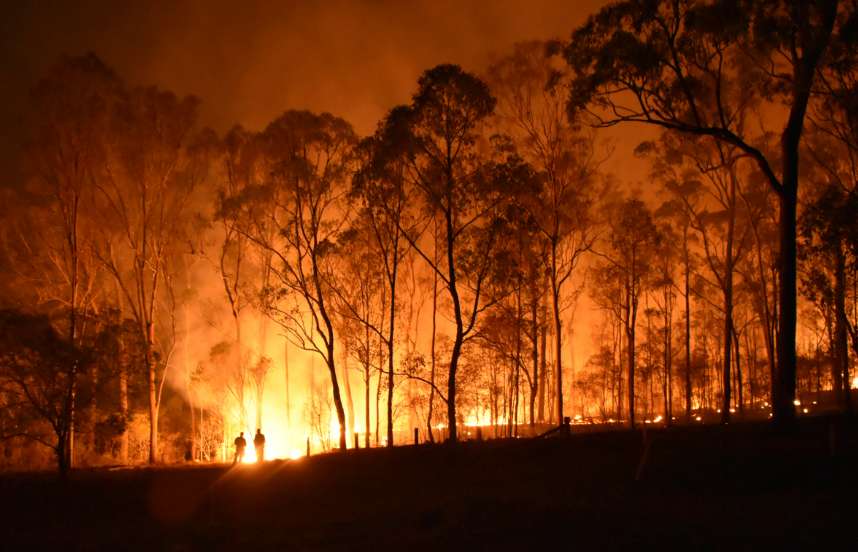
column 249, row 62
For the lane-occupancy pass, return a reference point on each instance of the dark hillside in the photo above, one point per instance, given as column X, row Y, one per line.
column 742, row 486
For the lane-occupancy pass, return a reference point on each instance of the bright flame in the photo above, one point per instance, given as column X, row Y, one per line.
column 482, row 419
column 282, row 441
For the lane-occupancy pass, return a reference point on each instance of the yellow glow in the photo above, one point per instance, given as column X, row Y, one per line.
column 481, row 419
column 281, row 441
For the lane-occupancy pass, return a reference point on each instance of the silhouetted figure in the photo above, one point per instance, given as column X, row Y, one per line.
column 259, row 443
column 240, row 444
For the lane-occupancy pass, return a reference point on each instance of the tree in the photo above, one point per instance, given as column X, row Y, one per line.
column 664, row 294
column 531, row 105
column 65, row 157
column 678, row 221
column 380, row 185
column 39, row 368
column 829, row 239
column 668, row 63
column 439, row 130
column 709, row 190
column 312, row 159
column 155, row 163
column 361, row 303
column 624, row 273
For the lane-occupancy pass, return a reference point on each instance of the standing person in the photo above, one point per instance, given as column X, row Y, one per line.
column 240, row 443
column 259, row 443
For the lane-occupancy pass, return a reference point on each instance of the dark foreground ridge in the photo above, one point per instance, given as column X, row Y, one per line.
column 745, row 486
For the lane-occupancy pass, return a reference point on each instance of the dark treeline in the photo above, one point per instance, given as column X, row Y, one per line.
column 159, row 274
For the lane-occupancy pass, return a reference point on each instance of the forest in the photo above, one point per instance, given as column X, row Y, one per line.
column 484, row 265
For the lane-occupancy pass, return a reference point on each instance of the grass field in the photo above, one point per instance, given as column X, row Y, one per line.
column 743, row 486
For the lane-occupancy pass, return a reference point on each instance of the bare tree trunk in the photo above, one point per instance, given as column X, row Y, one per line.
column 804, row 71
column 783, row 386
column 460, row 330
column 534, row 332
column 153, row 397
column 543, row 365
column 123, row 410
column 728, row 348
column 432, row 361
column 377, row 408
column 617, row 358
column 338, row 402
column 630, row 338
column 751, row 346
column 186, row 360
column 840, row 368
column 631, row 323
column 286, row 376
column 194, row 446
column 240, row 371
column 350, row 413
column 550, row 384
column 687, row 329
column 739, row 383
column 367, row 380
column 123, row 382
column 558, row 352
column 390, row 348
column 668, row 358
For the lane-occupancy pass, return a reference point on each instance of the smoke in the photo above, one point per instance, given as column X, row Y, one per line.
column 248, row 63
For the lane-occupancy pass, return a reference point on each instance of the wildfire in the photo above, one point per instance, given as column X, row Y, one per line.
column 282, row 439
column 481, row 419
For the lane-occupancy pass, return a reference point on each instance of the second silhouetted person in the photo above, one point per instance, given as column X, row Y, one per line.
column 259, row 443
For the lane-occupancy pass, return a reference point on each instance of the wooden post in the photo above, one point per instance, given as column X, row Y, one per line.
column 416, row 437
column 308, row 446
column 357, row 441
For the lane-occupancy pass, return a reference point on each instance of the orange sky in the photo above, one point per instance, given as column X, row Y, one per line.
column 250, row 63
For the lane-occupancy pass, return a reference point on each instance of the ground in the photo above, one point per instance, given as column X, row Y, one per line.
column 743, row 486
